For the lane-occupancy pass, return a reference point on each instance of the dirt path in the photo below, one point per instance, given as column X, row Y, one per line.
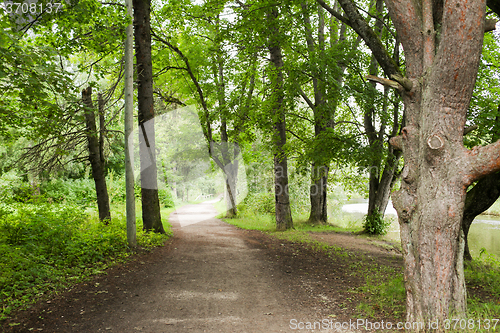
column 210, row 277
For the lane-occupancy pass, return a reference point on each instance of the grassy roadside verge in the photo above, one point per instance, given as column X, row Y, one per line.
column 383, row 295
column 45, row 248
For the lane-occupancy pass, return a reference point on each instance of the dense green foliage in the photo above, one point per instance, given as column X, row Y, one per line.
column 46, row 247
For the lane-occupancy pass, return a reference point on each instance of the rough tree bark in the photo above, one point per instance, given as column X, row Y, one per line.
column 282, row 200
column 96, row 155
column 151, row 217
column 442, row 43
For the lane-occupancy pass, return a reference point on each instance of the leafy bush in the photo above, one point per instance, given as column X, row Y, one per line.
column 261, row 203
column 166, row 198
column 13, row 189
column 80, row 191
column 375, row 224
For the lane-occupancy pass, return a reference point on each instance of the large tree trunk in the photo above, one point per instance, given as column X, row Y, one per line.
column 318, row 192
column 282, row 200
column 96, row 157
column 442, row 43
column 437, row 168
column 151, row 217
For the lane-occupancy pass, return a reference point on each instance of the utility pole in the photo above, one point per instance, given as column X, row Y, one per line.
column 129, row 126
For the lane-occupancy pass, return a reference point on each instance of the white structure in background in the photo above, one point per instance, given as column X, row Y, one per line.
column 363, row 208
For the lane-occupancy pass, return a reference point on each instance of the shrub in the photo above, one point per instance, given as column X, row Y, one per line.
column 13, row 189
column 375, row 224
column 79, row 191
column 165, row 197
column 261, row 203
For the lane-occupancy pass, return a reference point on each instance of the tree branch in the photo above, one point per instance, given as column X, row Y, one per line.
column 167, row 68
column 494, row 6
column 358, row 23
column 208, row 130
column 490, row 25
column 168, row 99
column 385, row 82
column 482, row 161
column 306, row 99
column 336, row 14
column 469, row 129
column 405, row 17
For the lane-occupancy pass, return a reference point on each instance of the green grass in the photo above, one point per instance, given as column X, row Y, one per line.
column 484, row 274
column 266, row 222
column 257, row 222
column 47, row 247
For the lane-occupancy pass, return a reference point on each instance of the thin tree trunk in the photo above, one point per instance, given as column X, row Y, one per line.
column 282, row 200
column 102, row 129
column 231, row 172
column 323, row 117
column 95, row 158
column 151, row 217
column 230, row 163
column 128, row 129
column 318, row 194
column 374, row 139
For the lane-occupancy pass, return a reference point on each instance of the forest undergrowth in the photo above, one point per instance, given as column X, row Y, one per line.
column 54, row 239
